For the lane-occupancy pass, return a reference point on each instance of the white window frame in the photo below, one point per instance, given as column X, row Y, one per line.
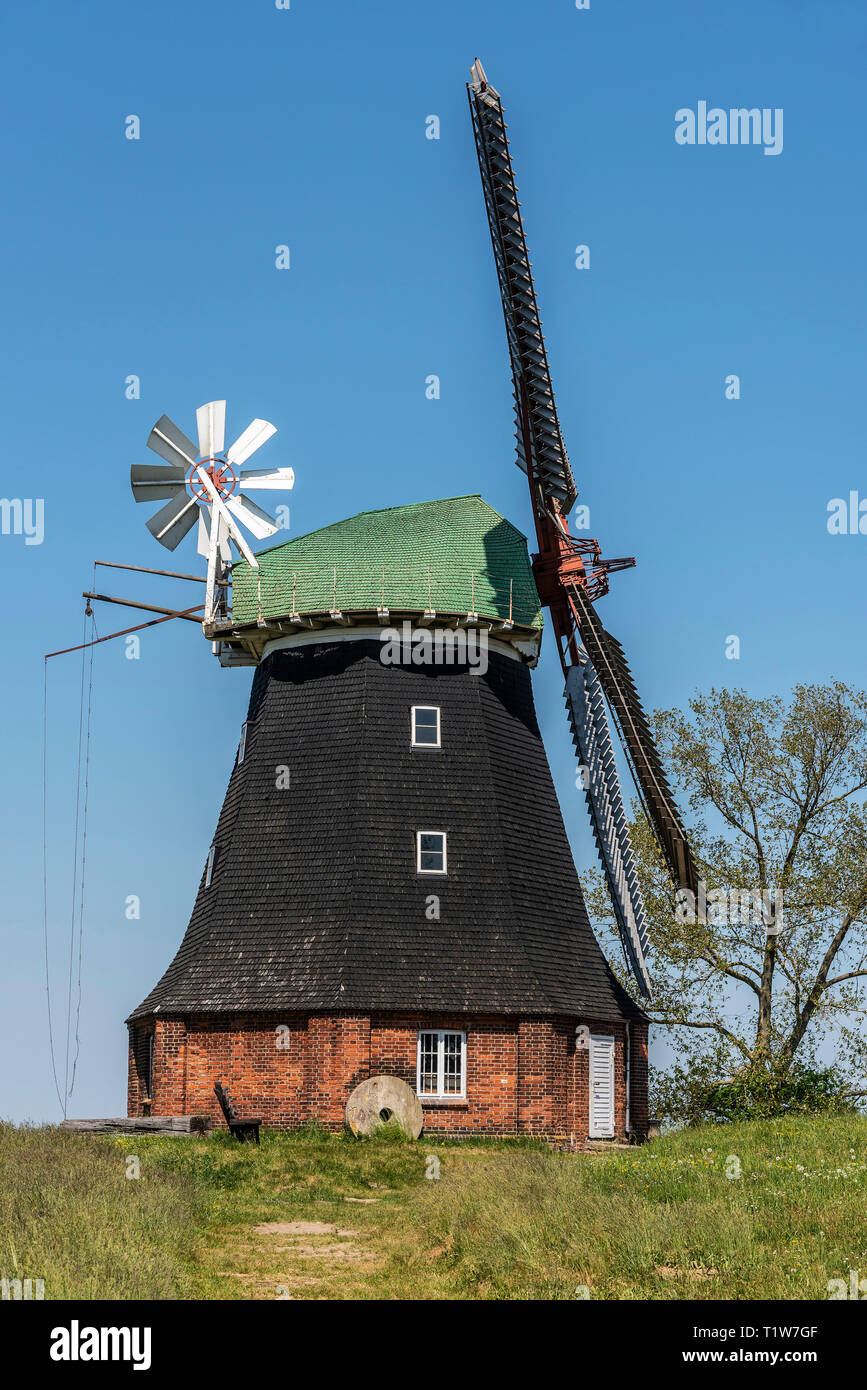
column 440, row 1094
column 417, row 743
column 242, row 744
column 209, row 866
column 440, row 873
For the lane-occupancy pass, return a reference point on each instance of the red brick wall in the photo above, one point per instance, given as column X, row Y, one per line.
column 338, row 1058
column 536, row 1046
column 524, row 1076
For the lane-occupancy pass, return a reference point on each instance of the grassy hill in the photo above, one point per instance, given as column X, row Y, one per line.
column 763, row 1210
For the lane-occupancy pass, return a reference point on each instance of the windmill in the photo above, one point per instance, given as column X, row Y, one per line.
column 570, row 573
column 206, row 484
column 390, row 887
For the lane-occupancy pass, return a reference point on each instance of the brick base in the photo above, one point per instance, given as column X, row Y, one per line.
column 524, row 1076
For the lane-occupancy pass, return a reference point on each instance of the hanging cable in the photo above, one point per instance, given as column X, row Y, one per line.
column 77, row 1036
column 79, row 859
column 45, row 870
column 75, row 841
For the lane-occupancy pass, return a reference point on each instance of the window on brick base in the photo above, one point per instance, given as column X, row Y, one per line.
column 442, row 1064
column 143, row 1057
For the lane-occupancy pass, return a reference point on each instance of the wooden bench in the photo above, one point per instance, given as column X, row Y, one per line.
column 242, row 1129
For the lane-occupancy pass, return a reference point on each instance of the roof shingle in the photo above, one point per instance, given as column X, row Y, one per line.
column 455, row 556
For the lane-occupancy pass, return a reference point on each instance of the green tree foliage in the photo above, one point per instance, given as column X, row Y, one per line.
column 778, row 818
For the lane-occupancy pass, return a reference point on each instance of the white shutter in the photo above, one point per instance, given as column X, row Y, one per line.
column 601, row 1087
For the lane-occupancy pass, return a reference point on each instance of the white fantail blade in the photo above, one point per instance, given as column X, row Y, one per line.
column 173, row 521
column 254, row 436
column 211, row 422
column 203, row 540
column 258, row 522
column 234, row 531
column 151, row 481
column 225, row 549
column 278, row 479
column 204, row 537
column 172, row 444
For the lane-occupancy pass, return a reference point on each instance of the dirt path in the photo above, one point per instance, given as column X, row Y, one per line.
column 305, row 1258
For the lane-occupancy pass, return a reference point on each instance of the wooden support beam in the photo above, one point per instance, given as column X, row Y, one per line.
column 141, row 1124
column 154, row 622
column 148, row 607
column 145, row 569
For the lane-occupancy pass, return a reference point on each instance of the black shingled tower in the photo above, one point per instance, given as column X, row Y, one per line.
column 315, row 901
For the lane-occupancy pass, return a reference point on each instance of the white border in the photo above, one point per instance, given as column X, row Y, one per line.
column 209, row 866
column 415, row 743
column 439, row 873
column 594, row 1131
column 440, row 1094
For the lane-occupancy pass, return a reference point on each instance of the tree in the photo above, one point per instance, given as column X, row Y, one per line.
column 771, row 969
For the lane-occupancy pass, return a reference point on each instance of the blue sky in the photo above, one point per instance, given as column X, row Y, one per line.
column 306, row 127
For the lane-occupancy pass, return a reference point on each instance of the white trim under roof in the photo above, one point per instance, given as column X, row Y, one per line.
column 526, row 651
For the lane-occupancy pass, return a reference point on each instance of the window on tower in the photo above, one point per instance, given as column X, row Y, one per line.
column 441, row 1071
column 425, row 726
column 242, row 746
column 431, row 852
column 209, row 867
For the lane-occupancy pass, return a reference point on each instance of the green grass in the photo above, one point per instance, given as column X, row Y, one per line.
column 505, row 1220
column 69, row 1215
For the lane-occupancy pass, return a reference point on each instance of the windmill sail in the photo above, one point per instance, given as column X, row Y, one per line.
column 598, row 667
column 615, row 676
column 539, row 440
column 586, row 708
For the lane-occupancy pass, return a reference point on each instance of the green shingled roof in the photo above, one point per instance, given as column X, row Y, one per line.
column 454, row 556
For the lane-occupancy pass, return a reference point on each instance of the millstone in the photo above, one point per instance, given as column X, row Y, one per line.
column 381, row 1099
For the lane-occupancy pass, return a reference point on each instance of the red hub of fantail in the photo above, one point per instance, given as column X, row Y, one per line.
column 220, row 473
